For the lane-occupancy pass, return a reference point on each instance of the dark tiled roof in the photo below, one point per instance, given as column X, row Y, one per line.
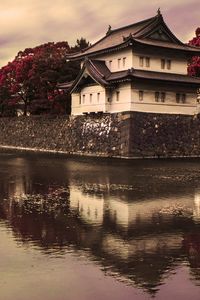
column 151, row 75
column 101, row 67
column 118, row 75
column 101, row 74
column 165, row 77
column 96, row 69
column 115, row 37
column 138, row 32
column 168, row 45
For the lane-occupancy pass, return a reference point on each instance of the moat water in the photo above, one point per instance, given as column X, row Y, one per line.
column 85, row 229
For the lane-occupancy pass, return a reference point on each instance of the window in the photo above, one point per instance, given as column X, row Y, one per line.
column 160, row 96
column 141, row 61
column 80, row 99
column 117, row 95
column 90, row 98
column 156, row 96
column 144, row 61
column 169, row 64
column 119, row 63
column 162, row 63
column 166, row 64
column 124, row 61
column 178, row 96
column 183, row 98
column 110, row 63
column 163, row 97
column 98, row 97
column 147, row 59
column 83, row 99
column 141, row 95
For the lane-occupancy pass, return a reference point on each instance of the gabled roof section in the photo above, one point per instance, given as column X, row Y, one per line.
column 114, row 37
column 168, row 45
column 152, row 29
column 95, row 69
column 157, row 30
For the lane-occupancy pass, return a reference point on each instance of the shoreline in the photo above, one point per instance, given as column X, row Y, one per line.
column 58, row 153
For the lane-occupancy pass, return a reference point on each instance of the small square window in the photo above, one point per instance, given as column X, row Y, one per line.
column 117, row 95
column 124, row 61
column 183, row 98
column 178, row 96
column 147, row 62
column 141, row 61
column 141, row 95
column 169, row 64
column 162, row 63
column 163, row 95
column 157, row 96
column 119, row 63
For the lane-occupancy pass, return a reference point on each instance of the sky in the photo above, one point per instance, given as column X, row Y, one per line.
column 28, row 23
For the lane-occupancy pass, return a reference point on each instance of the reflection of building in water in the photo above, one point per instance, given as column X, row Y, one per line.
column 148, row 212
column 98, row 208
column 140, row 241
column 135, row 235
column 89, row 207
column 125, row 249
column 20, row 184
column 196, row 211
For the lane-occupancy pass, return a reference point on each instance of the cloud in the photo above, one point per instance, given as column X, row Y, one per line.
column 30, row 23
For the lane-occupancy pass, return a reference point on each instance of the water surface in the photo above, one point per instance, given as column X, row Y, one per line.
column 99, row 229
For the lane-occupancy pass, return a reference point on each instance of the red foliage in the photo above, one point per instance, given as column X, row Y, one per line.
column 33, row 75
column 194, row 64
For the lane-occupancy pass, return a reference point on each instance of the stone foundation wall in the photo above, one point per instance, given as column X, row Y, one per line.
column 162, row 135
column 111, row 135
column 89, row 135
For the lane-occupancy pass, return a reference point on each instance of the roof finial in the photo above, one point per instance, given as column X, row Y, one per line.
column 158, row 12
column 109, row 29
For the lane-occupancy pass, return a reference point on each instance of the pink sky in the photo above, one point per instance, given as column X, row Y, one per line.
column 28, row 23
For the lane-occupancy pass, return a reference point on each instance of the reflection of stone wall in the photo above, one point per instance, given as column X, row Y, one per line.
column 124, row 134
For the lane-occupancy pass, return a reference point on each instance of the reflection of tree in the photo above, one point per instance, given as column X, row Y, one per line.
column 130, row 230
column 142, row 256
column 191, row 244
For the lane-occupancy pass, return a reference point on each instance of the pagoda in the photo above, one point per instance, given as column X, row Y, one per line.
column 140, row 67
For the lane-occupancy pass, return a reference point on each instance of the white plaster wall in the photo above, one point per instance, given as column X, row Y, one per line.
column 119, row 212
column 90, row 208
column 148, row 104
column 124, row 103
column 178, row 66
column 140, row 213
column 115, row 56
column 87, row 106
